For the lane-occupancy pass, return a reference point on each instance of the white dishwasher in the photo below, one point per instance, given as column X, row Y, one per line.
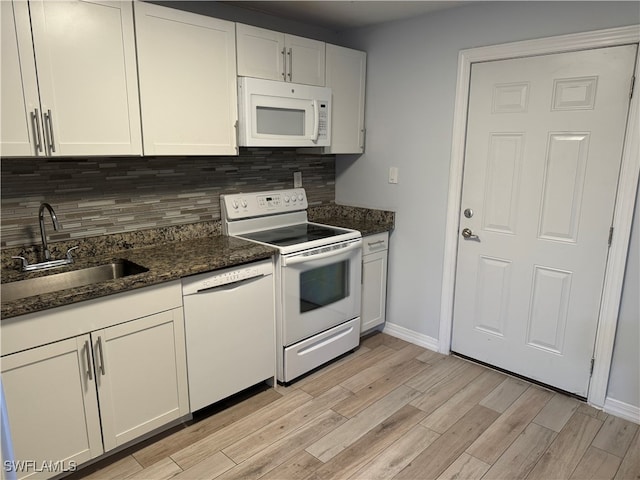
column 230, row 331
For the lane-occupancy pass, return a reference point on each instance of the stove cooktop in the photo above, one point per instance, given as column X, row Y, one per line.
column 293, row 234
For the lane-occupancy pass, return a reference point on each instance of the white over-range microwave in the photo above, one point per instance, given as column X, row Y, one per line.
column 281, row 114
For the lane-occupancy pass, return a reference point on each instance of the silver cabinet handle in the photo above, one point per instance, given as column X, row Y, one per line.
column 35, row 124
column 48, row 130
column 87, row 347
column 364, row 138
column 376, row 243
column 101, row 355
column 469, row 235
column 284, row 64
column 290, row 63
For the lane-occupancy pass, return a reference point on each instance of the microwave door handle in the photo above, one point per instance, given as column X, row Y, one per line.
column 307, row 258
column 316, row 121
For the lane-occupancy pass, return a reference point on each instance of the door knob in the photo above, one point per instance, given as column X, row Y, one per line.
column 468, row 234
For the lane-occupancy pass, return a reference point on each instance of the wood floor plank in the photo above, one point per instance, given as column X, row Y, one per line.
column 437, row 457
column 282, row 450
column 446, row 415
column 438, row 372
column 505, row 394
column 499, row 436
column 199, row 450
column 596, row 464
column 253, row 443
column 447, row 388
column 167, row 446
column 369, row 375
column 398, row 455
column 361, row 452
column 467, row 467
column 162, row 470
column 429, row 356
column 350, row 406
column 211, row 467
column 615, row 436
column 343, row 436
column 566, row 451
column 520, row 458
column 301, row 465
column 335, row 376
column 630, row 466
column 557, row 412
column 122, row 468
column 592, row 412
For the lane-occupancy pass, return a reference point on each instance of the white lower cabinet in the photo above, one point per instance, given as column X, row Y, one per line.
column 374, row 280
column 52, row 405
column 74, row 399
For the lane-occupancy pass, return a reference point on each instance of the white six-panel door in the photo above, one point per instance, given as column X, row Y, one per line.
column 543, row 152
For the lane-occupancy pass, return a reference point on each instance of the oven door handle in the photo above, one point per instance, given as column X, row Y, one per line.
column 287, row 261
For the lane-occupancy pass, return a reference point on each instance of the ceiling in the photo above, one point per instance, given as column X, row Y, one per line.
column 344, row 15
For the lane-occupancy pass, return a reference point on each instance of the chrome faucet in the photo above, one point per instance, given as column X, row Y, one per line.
column 43, row 234
column 46, row 262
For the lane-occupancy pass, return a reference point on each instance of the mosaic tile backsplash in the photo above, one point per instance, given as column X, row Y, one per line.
column 101, row 196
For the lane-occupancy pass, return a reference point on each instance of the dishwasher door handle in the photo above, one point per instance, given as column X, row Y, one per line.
column 227, row 287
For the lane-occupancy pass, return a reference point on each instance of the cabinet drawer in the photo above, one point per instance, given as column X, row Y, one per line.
column 375, row 243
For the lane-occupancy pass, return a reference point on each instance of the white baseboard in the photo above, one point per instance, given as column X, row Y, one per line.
column 411, row 336
column 622, row 410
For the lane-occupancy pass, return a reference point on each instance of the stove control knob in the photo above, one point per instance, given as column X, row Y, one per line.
column 243, row 203
column 300, row 197
column 294, row 198
column 234, row 204
column 286, row 199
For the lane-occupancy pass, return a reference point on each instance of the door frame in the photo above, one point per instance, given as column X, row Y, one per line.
column 625, row 197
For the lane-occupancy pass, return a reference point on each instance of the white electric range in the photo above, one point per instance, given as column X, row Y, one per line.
column 317, row 276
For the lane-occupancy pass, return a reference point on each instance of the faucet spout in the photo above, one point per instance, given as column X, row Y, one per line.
column 43, row 235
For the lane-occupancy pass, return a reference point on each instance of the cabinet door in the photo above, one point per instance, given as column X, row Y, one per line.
column 86, row 63
column 374, row 290
column 20, row 126
column 141, row 374
column 52, row 405
column 305, row 60
column 346, row 75
column 261, row 53
column 188, row 87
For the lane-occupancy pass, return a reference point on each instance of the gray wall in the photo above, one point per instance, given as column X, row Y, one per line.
column 411, row 77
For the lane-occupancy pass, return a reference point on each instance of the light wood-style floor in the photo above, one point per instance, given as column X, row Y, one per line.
column 392, row 410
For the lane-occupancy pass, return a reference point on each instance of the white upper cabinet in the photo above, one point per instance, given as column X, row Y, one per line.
column 273, row 55
column 20, row 106
column 188, row 93
column 86, row 65
column 346, row 76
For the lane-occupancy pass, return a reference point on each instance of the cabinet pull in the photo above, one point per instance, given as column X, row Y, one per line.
column 48, row 127
column 364, row 138
column 87, row 347
column 284, row 64
column 378, row 243
column 101, row 355
column 35, row 124
column 290, row 63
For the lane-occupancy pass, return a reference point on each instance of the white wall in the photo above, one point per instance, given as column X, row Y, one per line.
column 411, row 75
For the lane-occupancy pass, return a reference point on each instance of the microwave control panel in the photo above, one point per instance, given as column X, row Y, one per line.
column 323, row 120
column 246, row 205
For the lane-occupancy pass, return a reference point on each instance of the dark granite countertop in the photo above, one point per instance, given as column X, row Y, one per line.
column 166, row 262
column 168, row 253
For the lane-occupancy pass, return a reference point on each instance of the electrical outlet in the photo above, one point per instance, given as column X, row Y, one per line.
column 297, row 179
column 393, row 174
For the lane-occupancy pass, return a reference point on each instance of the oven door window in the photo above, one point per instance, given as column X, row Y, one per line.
column 324, row 285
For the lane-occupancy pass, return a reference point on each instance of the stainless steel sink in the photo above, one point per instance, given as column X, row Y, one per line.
column 75, row 278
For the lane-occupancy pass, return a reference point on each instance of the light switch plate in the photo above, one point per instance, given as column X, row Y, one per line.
column 393, row 174
column 297, row 179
